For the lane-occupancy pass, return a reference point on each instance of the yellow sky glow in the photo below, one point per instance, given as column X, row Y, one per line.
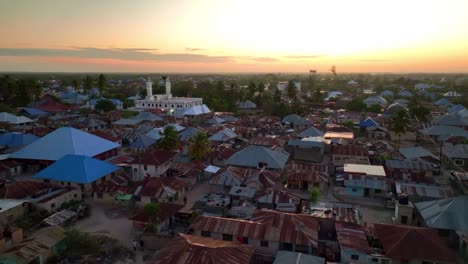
column 238, row 35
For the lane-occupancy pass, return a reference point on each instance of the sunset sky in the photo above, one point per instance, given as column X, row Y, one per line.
column 234, row 36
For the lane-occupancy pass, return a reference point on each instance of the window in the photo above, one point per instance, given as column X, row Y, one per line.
column 354, row 190
column 52, row 205
column 135, row 169
column 354, row 257
column 377, row 191
column 375, row 260
column 205, row 233
column 459, row 162
column 404, row 219
column 227, row 237
column 287, row 246
column 263, row 243
column 145, row 167
column 302, row 248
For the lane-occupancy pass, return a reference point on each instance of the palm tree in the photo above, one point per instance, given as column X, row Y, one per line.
column 152, row 210
column 101, row 84
column 170, row 139
column 88, row 83
column 199, row 146
column 401, row 124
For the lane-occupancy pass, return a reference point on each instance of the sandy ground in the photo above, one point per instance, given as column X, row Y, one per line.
column 119, row 228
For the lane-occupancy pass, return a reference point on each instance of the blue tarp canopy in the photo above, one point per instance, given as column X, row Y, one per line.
column 13, row 139
column 77, row 169
column 63, row 141
column 368, row 122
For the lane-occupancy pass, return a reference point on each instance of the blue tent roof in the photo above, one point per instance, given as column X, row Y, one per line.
column 16, row 139
column 34, row 111
column 63, row 141
column 77, row 168
column 369, row 122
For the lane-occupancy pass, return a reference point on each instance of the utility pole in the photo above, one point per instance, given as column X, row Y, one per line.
column 440, row 156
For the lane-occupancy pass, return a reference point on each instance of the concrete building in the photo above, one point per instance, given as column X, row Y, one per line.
column 165, row 101
column 365, row 180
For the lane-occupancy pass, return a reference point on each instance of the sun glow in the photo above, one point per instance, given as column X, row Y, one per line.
column 262, row 35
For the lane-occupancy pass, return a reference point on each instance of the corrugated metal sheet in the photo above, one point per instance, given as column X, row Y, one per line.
column 189, row 249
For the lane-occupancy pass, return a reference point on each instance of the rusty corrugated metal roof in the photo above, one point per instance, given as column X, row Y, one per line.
column 201, row 250
column 266, row 225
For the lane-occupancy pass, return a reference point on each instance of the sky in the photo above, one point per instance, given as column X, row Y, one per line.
column 233, row 36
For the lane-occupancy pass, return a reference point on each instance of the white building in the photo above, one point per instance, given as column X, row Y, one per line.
column 283, row 85
column 165, row 101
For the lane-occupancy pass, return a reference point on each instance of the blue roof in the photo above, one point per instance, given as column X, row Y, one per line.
column 63, row 141
column 252, row 155
column 405, row 93
column 114, row 101
column 443, row 102
column 311, row 132
column 16, row 139
column 455, row 108
column 34, row 111
column 78, row 169
column 369, row 122
column 143, row 141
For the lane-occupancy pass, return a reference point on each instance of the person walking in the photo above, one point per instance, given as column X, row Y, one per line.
column 185, row 199
column 142, row 244
column 135, row 245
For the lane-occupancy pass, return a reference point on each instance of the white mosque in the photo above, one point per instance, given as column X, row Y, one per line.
column 166, row 101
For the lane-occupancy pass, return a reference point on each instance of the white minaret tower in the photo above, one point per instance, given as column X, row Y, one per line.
column 168, row 88
column 149, row 90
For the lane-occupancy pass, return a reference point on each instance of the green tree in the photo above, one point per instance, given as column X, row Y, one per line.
column 88, row 83
column 251, row 89
column 314, row 194
column 152, row 210
column 101, row 84
column 419, row 112
column 170, row 139
column 356, row 105
column 277, row 95
column 375, row 108
column 261, row 88
column 105, row 105
column 292, row 90
column 76, row 84
column 199, row 146
column 400, row 124
column 79, row 243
